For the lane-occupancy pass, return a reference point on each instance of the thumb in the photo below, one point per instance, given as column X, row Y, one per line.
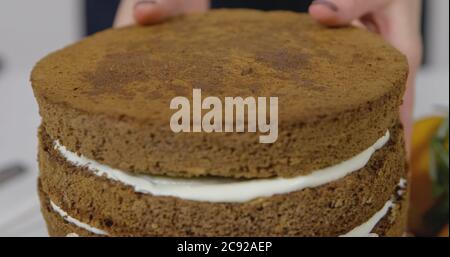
column 153, row 11
column 343, row 12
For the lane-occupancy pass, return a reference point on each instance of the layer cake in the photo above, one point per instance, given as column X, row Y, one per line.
column 111, row 166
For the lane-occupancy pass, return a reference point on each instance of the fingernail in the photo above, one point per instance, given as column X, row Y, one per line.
column 371, row 27
column 145, row 2
column 327, row 3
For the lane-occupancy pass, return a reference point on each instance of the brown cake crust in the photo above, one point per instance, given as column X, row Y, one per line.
column 108, row 96
column 329, row 210
column 393, row 225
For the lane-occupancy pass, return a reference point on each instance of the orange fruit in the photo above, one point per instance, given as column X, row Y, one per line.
column 444, row 232
column 421, row 185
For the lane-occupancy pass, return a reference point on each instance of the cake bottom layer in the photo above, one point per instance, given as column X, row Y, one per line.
column 392, row 225
column 333, row 209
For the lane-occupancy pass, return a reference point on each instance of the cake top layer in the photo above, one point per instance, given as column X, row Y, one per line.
column 134, row 72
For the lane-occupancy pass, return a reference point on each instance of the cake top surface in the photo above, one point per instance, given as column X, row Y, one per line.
column 134, row 72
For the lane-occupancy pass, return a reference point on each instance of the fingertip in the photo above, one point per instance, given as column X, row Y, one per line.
column 147, row 12
column 324, row 15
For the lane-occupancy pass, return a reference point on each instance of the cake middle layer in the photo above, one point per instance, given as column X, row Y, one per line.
column 330, row 208
column 222, row 189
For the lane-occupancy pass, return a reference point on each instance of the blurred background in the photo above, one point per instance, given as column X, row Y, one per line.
column 31, row 29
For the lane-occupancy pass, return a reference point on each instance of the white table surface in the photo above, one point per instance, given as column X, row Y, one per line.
column 19, row 207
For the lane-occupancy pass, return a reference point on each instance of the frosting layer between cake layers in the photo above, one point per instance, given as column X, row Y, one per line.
column 364, row 230
column 228, row 190
column 89, row 191
column 222, row 189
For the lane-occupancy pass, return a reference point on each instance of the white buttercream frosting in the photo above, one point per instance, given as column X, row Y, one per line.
column 221, row 189
column 76, row 222
column 365, row 229
column 402, row 187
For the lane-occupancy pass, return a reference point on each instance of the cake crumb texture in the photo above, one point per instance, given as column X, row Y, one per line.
column 329, row 210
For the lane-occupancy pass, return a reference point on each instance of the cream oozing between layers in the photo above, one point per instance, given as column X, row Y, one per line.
column 76, row 222
column 363, row 230
column 229, row 190
column 223, row 189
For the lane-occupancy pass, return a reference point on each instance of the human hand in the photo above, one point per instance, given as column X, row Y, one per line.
column 397, row 21
column 146, row 12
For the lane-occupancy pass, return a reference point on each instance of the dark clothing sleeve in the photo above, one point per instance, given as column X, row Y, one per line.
column 293, row 5
column 100, row 14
